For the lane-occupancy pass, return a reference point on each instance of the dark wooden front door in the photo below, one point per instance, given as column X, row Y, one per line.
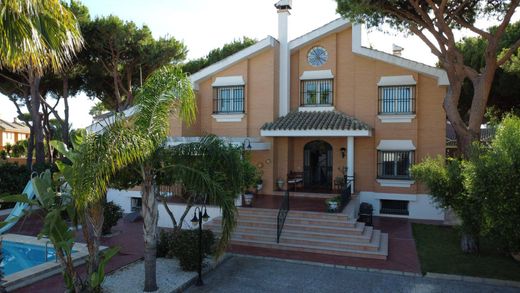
column 317, row 163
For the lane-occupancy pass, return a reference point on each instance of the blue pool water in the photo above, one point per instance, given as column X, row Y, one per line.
column 20, row 256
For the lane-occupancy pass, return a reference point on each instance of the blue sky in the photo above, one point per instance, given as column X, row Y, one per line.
column 206, row 24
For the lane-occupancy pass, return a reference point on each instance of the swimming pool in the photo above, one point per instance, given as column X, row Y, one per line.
column 21, row 256
column 28, row 259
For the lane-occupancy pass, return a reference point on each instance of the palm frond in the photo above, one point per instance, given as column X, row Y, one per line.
column 37, row 34
column 165, row 93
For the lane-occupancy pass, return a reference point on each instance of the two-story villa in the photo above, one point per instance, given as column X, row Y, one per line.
column 321, row 105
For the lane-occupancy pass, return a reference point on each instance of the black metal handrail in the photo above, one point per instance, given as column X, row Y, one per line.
column 282, row 214
column 346, row 192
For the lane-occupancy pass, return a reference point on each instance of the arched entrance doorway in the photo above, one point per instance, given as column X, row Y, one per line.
column 317, row 162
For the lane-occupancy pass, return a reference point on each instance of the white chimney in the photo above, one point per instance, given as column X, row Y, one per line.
column 397, row 50
column 283, row 7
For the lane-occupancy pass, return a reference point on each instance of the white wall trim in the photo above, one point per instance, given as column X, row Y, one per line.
column 330, row 28
column 228, row 117
column 315, row 133
column 396, row 118
column 316, row 109
column 256, row 142
column 440, row 74
column 420, row 206
column 248, row 52
column 317, row 74
column 396, row 80
column 233, row 80
column 395, row 145
column 395, row 183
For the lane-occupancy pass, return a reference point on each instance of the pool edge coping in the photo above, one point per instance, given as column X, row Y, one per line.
column 34, row 274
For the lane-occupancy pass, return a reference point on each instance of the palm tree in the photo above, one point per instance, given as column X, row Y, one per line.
column 35, row 36
column 208, row 171
column 99, row 156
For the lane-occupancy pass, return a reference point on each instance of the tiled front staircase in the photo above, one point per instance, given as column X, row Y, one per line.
column 315, row 232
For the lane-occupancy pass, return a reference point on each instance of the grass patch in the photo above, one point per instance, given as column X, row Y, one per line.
column 439, row 252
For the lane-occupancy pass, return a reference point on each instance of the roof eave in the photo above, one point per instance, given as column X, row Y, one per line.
column 268, row 42
column 330, row 28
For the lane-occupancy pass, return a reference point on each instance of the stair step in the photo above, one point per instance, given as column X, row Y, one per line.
column 356, row 230
column 297, row 213
column 373, row 245
column 381, row 253
column 365, row 237
column 298, row 220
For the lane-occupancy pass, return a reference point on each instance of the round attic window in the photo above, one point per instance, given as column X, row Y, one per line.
column 317, row 56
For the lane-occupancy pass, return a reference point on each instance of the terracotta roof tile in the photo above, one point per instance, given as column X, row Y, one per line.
column 319, row 120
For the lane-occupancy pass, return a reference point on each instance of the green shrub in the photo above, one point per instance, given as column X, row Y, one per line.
column 184, row 245
column 13, row 179
column 112, row 213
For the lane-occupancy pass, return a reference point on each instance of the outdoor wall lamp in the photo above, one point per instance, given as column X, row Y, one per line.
column 202, row 217
column 248, row 144
column 343, row 150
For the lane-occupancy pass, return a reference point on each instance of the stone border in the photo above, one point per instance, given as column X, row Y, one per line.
column 205, row 271
column 487, row 281
column 44, row 270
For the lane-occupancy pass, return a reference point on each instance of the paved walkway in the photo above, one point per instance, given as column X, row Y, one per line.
column 246, row 274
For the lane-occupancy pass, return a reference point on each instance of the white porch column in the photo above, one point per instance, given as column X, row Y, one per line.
column 350, row 159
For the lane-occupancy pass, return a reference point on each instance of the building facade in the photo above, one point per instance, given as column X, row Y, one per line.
column 322, row 106
column 12, row 132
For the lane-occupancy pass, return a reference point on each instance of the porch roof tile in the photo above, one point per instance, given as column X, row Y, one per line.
column 316, row 120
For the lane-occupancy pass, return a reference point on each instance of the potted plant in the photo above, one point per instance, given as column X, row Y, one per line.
column 259, row 184
column 279, row 183
column 248, row 198
column 249, row 181
column 333, row 204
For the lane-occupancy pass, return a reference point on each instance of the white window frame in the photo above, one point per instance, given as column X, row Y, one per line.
column 397, row 102
column 231, row 105
column 304, row 96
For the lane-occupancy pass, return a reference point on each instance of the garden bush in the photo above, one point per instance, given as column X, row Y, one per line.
column 112, row 213
column 184, row 245
column 13, row 179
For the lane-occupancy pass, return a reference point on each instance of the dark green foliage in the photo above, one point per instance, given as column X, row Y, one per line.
column 13, row 179
column 218, row 54
column 184, row 246
column 3, row 155
column 484, row 191
column 19, row 149
column 439, row 252
column 120, row 49
column 505, row 91
column 495, row 176
column 112, row 213
column 392, row 12
column 445, row 181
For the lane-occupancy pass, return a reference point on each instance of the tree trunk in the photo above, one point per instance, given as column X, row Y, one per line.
column 65, row 125
column 170, row 213
column 92, row 229
column 36, row 118
column 47, row 133
column 469, row 243
column 150, row 218
column 30, row 149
